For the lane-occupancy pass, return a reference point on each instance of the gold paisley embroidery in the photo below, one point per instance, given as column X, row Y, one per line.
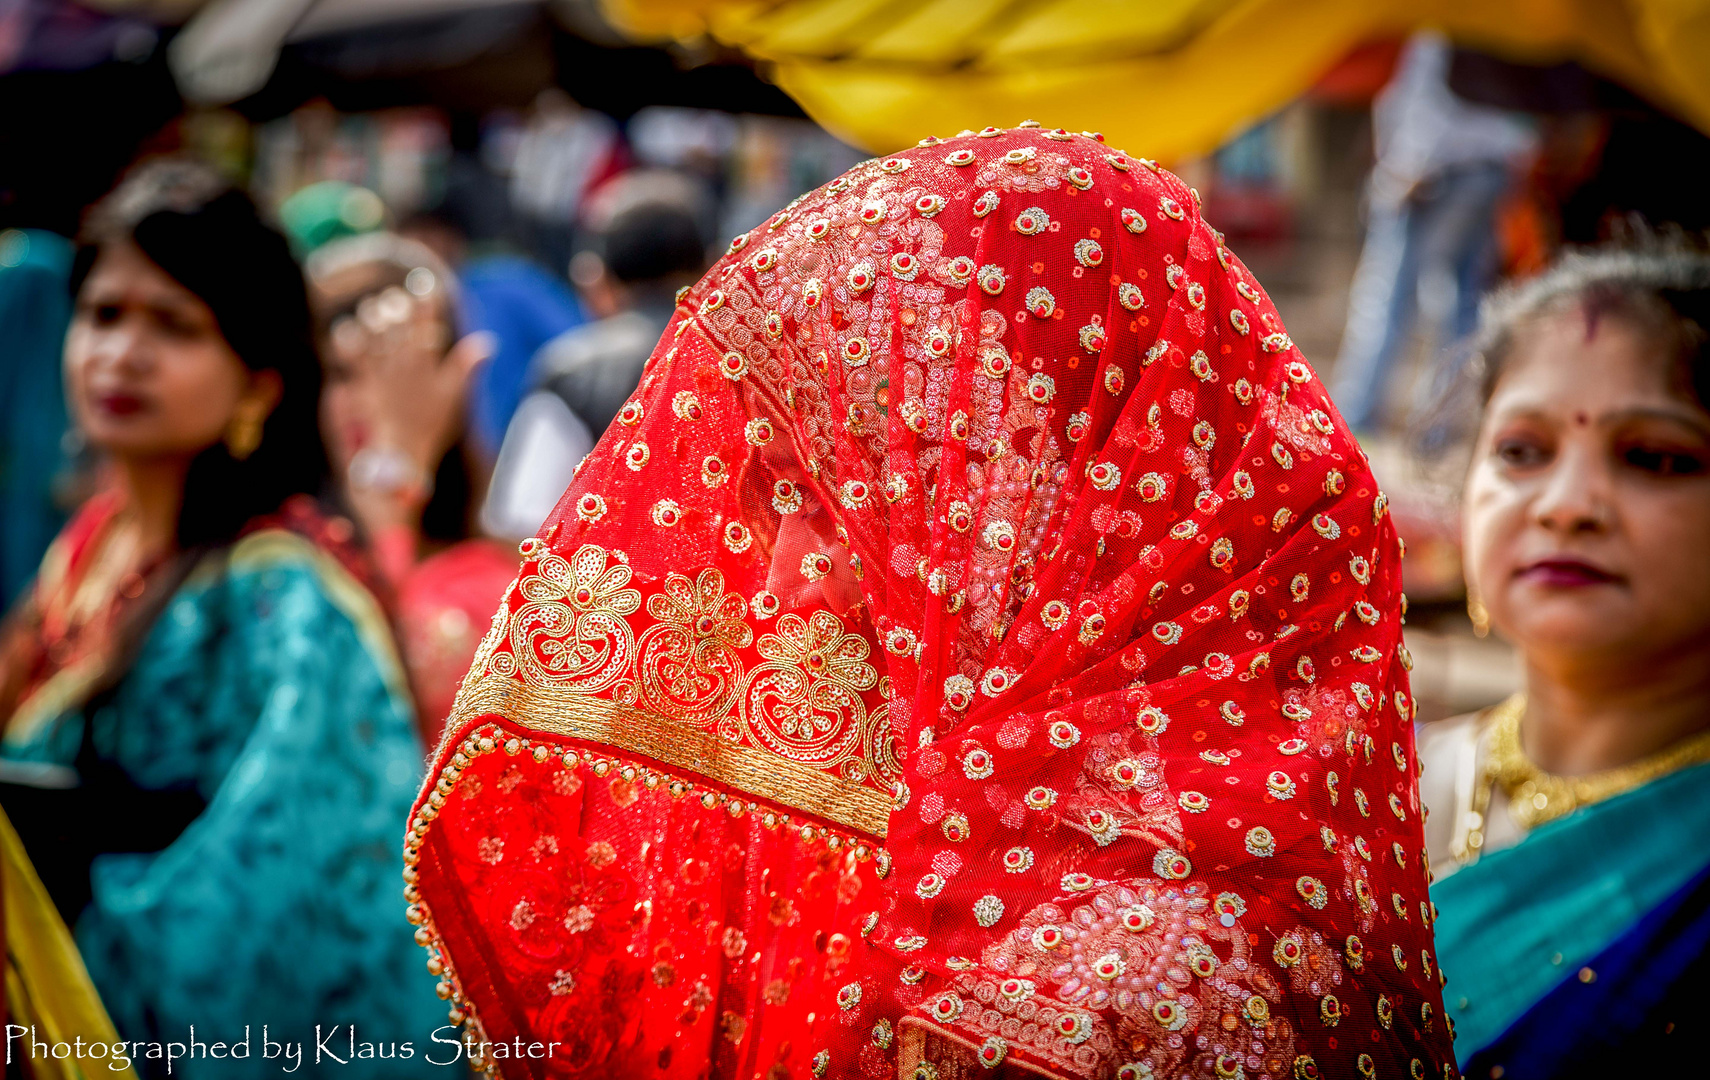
column 805, row 702
column 690, row 666
column 794, row 727
column 572, row 627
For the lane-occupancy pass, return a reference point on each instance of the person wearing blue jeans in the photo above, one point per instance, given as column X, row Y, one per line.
column 1440, row 241
column 1443, row 166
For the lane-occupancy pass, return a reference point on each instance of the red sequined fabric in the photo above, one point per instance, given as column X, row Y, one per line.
column 975, row 646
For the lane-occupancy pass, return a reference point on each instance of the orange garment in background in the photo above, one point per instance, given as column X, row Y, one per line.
column 977, row 643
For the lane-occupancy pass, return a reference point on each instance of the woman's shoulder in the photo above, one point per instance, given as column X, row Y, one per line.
column 276, row 580
column 273, row 611
column 273, row 563
column 273, row 559
column 1450, row 755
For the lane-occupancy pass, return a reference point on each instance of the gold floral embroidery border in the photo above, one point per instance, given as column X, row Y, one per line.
column 911, row 1050
column 568, row 712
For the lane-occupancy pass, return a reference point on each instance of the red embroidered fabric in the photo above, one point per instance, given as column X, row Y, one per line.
column 976, row 646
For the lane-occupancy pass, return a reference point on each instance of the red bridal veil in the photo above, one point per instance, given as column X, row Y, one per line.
column 976, row 646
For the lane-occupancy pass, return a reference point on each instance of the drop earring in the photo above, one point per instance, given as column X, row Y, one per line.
column 1478, row 613
column 243, row 432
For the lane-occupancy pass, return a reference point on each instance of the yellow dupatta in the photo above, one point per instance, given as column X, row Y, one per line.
column 47, row 987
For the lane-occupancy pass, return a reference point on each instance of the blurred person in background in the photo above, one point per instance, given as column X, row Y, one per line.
column 397, row 375
column 208, row 739
column 563, row 153
column 508, row 295
column 1443, row 165
column 648, row 245
column 1567, row 824
column 35, row 308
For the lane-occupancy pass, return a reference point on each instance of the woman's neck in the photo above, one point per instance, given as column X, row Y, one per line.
column 154, row 493
column 1587, row 717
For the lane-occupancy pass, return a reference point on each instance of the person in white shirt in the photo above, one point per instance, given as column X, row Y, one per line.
column 649, row 244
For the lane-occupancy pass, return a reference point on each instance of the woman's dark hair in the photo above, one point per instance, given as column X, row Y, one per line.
column 1658, row 285
column 654, row 242
column 209, row 237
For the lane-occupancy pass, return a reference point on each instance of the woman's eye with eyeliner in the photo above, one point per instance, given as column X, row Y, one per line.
column 1517, row 453
column 1663, row 462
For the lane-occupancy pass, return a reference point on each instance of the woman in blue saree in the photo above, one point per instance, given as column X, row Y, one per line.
column 208, row 741
column 1567, row 824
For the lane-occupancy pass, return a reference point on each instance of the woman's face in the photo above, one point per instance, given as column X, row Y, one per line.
column 1588, row 504
column 148, row 373
column 365, row 355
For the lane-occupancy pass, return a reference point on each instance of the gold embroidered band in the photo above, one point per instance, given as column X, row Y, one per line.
column 742, row 768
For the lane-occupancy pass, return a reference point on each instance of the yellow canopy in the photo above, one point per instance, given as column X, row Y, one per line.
column 1163, row 78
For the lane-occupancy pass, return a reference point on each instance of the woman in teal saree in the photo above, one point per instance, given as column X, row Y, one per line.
column 208, row 741
column 1567, row 824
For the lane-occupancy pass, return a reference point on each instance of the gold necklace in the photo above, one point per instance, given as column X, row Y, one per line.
column 1536, row 796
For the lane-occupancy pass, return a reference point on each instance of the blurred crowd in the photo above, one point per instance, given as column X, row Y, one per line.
column 270, row 441
column 483, row 297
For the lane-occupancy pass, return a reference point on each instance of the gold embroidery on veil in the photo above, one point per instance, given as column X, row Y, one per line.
column 794, row 728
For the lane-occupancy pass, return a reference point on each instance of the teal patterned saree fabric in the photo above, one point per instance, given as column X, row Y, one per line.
column 1520, row 922
column 270, row 684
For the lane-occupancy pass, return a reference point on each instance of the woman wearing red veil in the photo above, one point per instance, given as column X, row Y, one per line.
column 976, row 647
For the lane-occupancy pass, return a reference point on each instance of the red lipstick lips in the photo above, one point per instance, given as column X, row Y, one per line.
column 1565, row 572
column 119, row 404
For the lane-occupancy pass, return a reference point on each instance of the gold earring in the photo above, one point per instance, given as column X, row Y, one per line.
column 243, row 432
column 1478, row 613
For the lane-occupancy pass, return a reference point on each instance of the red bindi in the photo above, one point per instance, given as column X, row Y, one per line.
column 1581, row 419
